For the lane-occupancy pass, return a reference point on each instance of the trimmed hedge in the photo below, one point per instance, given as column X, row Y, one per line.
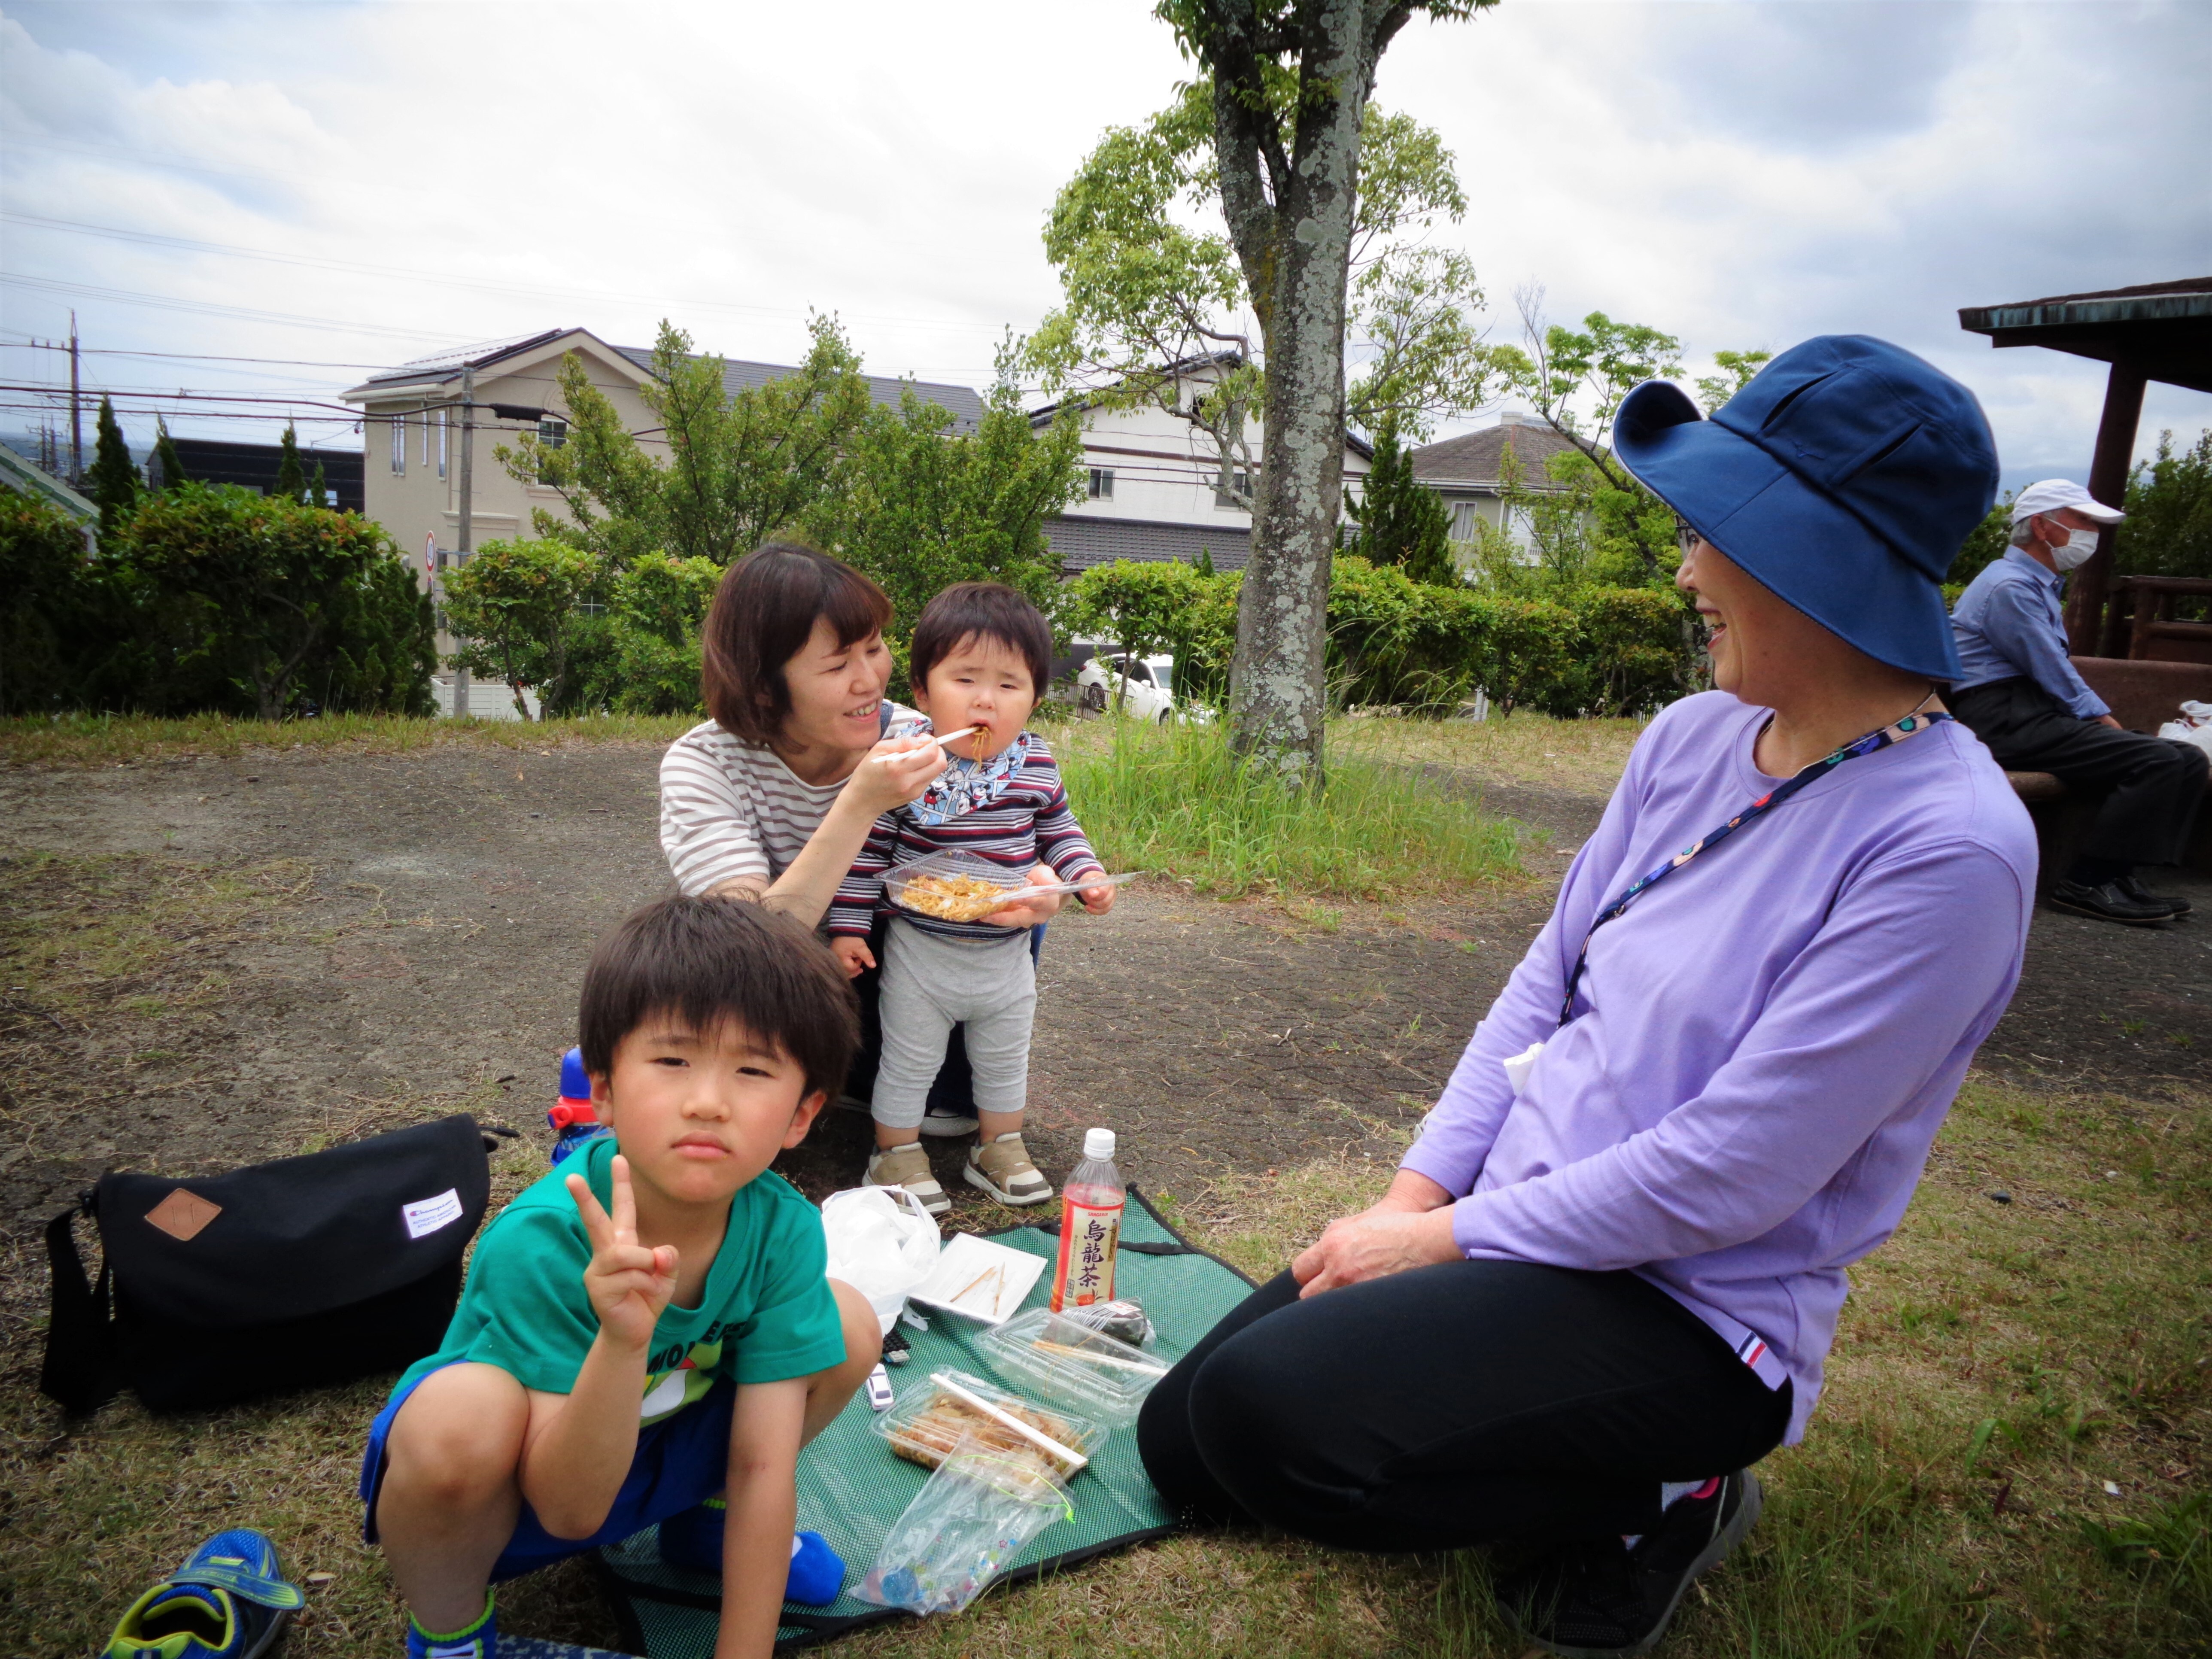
column 1592, row 650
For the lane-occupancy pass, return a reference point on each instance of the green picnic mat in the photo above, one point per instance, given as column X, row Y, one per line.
column 851, row 1487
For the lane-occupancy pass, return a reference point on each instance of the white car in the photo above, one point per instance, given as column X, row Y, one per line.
column 1152, row 689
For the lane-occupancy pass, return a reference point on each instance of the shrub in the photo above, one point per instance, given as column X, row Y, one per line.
column 51, row 603
column 659, row 604
column 247, row 603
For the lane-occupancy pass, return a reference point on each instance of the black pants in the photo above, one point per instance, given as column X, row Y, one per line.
column 1453, row 1404
column 2156, row 784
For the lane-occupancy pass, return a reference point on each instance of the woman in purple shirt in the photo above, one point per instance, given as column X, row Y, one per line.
column 1605, row 1278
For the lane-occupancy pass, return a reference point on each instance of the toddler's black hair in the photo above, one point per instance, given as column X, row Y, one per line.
column 988, row 610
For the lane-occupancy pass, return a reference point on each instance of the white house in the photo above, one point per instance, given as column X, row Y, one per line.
column 1153, row 479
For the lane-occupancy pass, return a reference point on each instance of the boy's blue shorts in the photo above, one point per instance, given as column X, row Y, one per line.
column 681, row 1462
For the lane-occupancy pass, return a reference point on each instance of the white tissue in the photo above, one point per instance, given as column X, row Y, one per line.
column 1518, row 1067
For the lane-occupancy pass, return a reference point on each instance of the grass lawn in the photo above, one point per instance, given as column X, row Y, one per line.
column 116, row 739
column 2000, row 1364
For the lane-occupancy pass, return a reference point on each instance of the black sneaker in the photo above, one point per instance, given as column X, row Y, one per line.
column 2109, row 901
column 2175, row 905
column 1602, row 1600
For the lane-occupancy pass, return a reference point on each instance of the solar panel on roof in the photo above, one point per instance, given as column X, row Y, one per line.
column 466, row 354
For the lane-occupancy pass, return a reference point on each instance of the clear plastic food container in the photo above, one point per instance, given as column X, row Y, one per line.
column 1072, row 1365
column 933, row 1413
column 953, row 886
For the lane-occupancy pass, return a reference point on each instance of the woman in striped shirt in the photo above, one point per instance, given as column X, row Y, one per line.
column 770, row 799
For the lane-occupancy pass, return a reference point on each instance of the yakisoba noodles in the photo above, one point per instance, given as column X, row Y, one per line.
column 953, row 898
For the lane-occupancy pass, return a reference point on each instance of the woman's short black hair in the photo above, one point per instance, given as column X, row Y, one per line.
column 707, row 961
column 988, row 610
column 763, row 613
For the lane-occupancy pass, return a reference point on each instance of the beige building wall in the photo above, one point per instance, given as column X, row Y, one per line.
column 411, row 441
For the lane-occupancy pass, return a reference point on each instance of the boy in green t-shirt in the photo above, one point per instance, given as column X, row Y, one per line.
column 652, row 1324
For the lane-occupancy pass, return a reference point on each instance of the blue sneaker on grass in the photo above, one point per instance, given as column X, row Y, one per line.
column 479, row 1641
column 693, row 1540
column 229, row 1601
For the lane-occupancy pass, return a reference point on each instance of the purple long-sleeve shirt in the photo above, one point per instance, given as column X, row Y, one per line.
column 1766, row 1043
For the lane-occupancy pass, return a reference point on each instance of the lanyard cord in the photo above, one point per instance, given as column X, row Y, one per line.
column 1881, row 738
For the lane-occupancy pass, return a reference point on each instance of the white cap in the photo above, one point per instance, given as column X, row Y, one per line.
column 1098, row 1146
column 2054, row 493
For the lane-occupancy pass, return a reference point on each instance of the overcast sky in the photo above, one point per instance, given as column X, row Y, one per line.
column 425, row 175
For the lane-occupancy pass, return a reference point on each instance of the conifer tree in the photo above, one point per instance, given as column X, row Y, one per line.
column 318, row 491
column 114, row 477
column 1402, row 520
column 170, row 464
column 291, row 478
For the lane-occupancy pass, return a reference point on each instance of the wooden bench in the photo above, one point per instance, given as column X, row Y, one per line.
column 2144, row 696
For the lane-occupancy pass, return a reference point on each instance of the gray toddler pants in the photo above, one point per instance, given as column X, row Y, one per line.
column 932, row 983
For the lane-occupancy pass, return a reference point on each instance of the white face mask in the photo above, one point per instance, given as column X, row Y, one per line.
column 2080, row 545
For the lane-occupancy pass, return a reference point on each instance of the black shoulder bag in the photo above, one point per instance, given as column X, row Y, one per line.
column 299, row 1274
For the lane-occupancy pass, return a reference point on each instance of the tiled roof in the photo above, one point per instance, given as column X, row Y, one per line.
column 1476, row 457
column 1085, row 541
column 963, row 403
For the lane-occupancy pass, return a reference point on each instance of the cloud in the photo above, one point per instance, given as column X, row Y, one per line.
column 1742, row 174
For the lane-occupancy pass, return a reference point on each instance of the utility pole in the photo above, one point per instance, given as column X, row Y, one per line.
column 77, row 412
column 468, row 524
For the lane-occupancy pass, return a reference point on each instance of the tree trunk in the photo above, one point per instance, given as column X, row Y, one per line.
column 1278, row 690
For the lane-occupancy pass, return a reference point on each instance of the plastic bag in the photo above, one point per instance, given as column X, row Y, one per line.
column 975, row 1513
column 2195, row 726
column 882, row 1243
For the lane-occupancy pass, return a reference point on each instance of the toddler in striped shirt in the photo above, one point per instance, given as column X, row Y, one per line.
column 981, row 657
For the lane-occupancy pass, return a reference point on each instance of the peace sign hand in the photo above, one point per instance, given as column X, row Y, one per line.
column 627, row 1284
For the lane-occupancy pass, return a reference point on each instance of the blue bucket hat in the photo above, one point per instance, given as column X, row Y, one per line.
column 1844, row 477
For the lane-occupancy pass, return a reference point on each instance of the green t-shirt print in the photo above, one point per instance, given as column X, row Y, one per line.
column 766, row 1314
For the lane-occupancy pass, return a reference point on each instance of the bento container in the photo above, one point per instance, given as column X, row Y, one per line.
column 933, row 1417
column 1072, row 1366
column 953, row 886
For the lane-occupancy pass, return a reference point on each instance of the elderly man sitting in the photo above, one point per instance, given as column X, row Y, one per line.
column 2022, row 697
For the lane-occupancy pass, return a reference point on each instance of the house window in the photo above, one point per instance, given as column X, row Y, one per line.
column 1224, row 495
column 1466, row 519
column 1101, row 487
column 399, row 444
column 444, row 436
column 551, row 435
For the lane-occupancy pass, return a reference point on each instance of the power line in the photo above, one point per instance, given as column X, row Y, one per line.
column 209, row 308
column 29, row 343
column 507, row 289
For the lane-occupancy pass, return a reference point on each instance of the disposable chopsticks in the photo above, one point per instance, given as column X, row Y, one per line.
column 1075, row 1460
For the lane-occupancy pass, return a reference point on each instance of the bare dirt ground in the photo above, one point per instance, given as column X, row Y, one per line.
column 348, row 936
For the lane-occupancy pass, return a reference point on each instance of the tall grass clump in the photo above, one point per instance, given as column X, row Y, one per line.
column 1175, row 799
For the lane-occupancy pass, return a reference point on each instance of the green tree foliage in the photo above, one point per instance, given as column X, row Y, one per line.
column 291, row 477
column 50, row 607
column 515, row 608
column 741, row 467
column 112, row 479
column 1402, row 521
column 1737, row 369
column 267, row 606
column 659, row 604
column 2168, row 531
column 1984, row 544
column 1141, row 607
column 171, row 465
column 923, row 509
column 319, row 488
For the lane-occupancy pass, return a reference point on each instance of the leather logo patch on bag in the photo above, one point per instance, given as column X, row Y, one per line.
column 182, row 1214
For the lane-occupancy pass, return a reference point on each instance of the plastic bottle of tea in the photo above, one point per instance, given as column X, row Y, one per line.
column 1089, row 1226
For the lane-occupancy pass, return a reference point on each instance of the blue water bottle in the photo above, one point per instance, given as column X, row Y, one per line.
column 573, row 1119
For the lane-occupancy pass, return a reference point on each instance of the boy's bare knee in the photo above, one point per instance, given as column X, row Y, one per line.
column 458, row 1438
column 864, row 1336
